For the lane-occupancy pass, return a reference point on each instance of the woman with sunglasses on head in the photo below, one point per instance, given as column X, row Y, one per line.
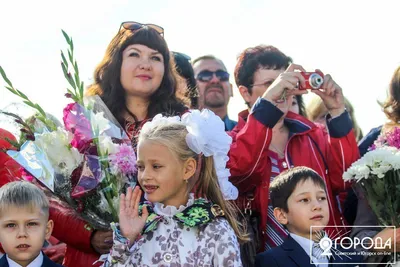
column 136, row 80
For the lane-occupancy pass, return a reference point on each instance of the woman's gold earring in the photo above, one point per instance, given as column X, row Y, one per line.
column 187, row 181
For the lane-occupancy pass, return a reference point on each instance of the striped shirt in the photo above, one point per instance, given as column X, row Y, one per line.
column 276, row 233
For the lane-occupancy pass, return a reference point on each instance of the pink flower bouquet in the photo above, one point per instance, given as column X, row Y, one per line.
column 88, row 162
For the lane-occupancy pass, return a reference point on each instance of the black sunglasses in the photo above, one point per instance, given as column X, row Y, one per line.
column 134, row 26
column 206, row 75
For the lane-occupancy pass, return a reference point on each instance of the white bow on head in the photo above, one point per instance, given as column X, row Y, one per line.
column 206, row 134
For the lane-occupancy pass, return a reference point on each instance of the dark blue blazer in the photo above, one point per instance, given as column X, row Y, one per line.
column 291, row 254
column 46, row 262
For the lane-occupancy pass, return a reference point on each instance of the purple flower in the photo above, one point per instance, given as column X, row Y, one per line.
column 124, row 160
column 89, row 178
column 393, row 138
column 76, row 122
column 372, row 147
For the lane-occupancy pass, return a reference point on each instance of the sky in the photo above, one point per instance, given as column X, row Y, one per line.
column 357, row 42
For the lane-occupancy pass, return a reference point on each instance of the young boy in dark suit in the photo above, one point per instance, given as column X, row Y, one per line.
column 24, row 225
column 299, row 200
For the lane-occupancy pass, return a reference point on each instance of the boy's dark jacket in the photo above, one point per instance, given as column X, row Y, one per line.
column 46, row 262
column 291, row 254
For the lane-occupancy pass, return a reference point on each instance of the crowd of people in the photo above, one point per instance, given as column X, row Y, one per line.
column 286, row 162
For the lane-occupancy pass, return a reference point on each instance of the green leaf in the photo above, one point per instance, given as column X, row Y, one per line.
column 70, row 92
column 66, row 36
column 40, row 110
column 71, row 81
column 72, row 47
column 67, row 77
column 29, row 104
column 65, row 70
column 71, row 59
column 12, row 115
column 11, row 90
column 75, row 99
column 77, row 81
column 81, row 88
column 22, row 95
column 3, row 74
column 76, row 68
column 378, row 187
column 64, row 59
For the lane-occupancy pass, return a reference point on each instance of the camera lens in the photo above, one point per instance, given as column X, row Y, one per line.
column 316, row 81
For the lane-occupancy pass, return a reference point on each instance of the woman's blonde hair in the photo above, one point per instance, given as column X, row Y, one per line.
column 316, row 108
column 173, row 136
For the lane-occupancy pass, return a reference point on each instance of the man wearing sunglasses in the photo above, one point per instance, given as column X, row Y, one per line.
column 214, row 87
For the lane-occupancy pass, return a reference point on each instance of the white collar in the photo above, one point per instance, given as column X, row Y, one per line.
column 307, row 245
column 160, row 209
column 37, row 262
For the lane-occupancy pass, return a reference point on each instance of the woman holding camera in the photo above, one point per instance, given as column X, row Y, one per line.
column 270, row 139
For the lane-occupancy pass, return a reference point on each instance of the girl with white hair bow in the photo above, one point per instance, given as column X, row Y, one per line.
column 177, row 228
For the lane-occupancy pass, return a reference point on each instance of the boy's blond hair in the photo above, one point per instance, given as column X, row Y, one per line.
column 23, row 194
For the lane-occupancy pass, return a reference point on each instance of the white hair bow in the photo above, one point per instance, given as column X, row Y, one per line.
column 206, row 134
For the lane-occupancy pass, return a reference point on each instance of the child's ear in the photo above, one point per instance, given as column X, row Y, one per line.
column 189, row 168
column 49, row 229
column 281, row 216
column 244, row 91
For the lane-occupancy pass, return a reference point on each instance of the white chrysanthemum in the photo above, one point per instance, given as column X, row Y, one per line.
column 374, row 163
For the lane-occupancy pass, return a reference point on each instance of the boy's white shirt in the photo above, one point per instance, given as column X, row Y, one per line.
column 37, row 262
column 307, row 244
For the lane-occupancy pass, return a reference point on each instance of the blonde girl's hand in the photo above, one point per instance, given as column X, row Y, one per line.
column 130, row 223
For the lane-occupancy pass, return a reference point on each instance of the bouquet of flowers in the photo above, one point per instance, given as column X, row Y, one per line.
column 88, row 162
column 378, row 172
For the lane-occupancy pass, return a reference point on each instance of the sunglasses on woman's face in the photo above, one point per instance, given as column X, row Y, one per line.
column 206, row 75
column 134, row 26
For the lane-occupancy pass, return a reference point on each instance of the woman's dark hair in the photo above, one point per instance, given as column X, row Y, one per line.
column 185, row 70
column 259, row 57
column 391, row 106
column 107, row 82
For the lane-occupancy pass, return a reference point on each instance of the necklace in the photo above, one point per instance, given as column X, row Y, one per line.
column 280, row 152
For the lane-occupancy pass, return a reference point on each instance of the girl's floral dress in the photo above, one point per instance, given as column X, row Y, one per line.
column 193, row 235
